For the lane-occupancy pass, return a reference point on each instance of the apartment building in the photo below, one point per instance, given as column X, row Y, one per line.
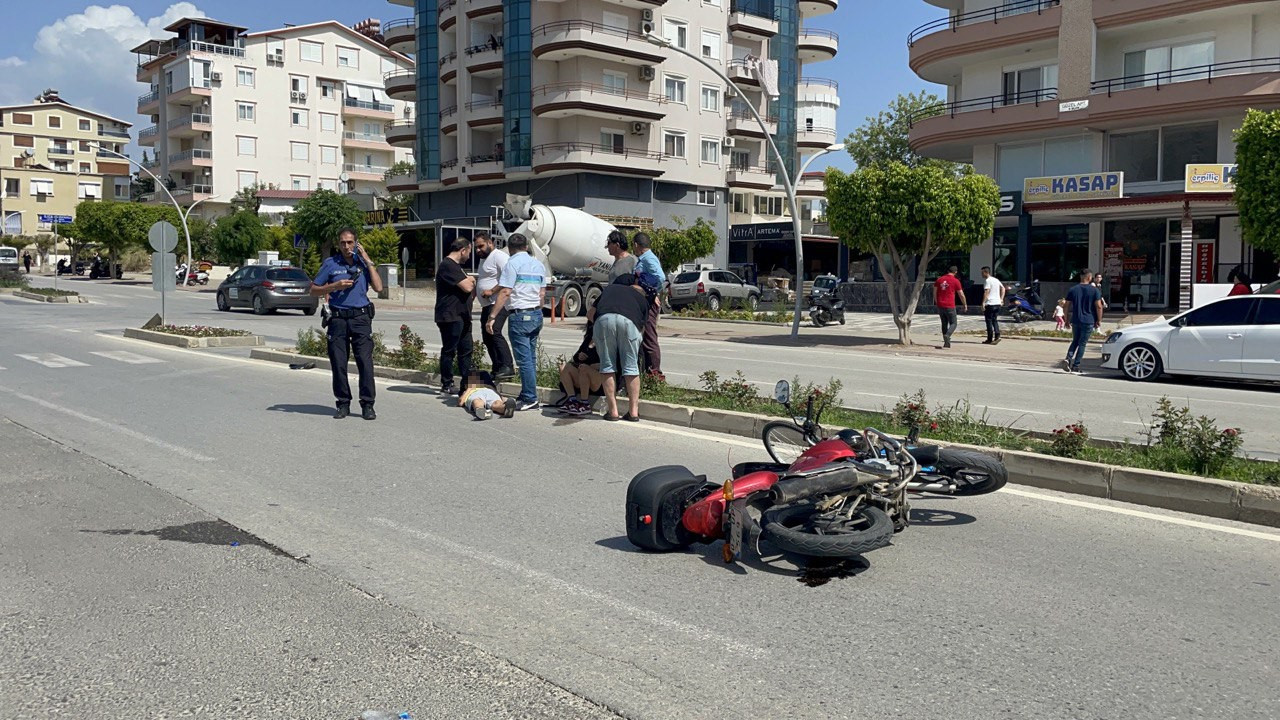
column 1108, row 126
column 54, row 155
column 568, row 103
column 299, row 108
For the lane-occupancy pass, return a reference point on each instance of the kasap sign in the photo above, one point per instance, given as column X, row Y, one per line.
column 1067, row 188
column 1217, row 178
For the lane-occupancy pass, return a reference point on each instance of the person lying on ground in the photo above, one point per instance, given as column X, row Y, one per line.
column 483, row 401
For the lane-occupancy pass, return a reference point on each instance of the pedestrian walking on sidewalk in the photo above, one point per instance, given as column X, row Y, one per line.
column 26, row 261
column 495, row 259
column 992, row 301
column 1084, row 308
column 454, row 292
column 945, row 291
column 522, row 289
column 1060, row 314
column 649, row 276
column 346, row 278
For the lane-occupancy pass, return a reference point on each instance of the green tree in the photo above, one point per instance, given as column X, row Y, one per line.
column 883, row 139
column 201, row 238
column 1258, row 179
column 320, row 216
column 120, row 226
column 905, row 216
column 679, row 245
column 382, row 244
column 238, row 236
column 246, row 198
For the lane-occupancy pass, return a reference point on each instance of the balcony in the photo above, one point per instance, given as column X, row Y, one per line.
column 449, row 120
column 402, row 35
column 1185, row 93
column 750, row 176
column 149, row 103
column 403, row 183
column 481, row 8
column 485, row 60
column 741, row 73
column 949, row 130
column 189, row 159
column 403, row 133
column 753, row 19
column 818, row 86
column 567, row 99
column 935, row 48
column 815, row 138
column 484, row 113
column 447, row 13
column 367, row 108
column 360, row 171
column 583, row 38
column 199, row 90
column 147, row 136
column 108, row 154
column 743, row 124
column 192, row 193
column 1127, row 12
column 817, row 8
column 574, row 156
column 449, row 171
column 448, row 67
column 367, row 141
column 638, row 4
column 189, row 125
column 812, row 185
column 401, row 85
column 484, row 167
column 818, row 45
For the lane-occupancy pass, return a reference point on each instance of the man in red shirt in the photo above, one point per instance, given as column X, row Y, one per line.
column 945, row 291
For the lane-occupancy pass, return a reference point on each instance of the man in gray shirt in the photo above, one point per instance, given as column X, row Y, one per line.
column 624, row 263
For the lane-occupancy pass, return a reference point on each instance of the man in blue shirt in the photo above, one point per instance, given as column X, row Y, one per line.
column 522, row 289
column 650, row 277
column 346, row 278
column 1084, row 310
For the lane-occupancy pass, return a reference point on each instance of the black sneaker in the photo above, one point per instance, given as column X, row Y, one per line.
column 996, row 341
column 946, row 343
column 367, row 413
column 448, row 389
column 530, row 405
column 342, row 411
column 504, row 374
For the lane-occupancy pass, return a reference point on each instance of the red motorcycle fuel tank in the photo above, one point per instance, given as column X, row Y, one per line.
column 824, row 453
column 704, row 517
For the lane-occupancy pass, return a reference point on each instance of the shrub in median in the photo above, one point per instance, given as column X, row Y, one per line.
column 1070, row 441
column 13, row 280
column 200, row 331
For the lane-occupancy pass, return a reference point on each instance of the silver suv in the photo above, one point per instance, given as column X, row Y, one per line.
column 714, row 289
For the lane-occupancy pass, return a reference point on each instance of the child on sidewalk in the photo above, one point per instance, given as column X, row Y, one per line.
column 1060, row 314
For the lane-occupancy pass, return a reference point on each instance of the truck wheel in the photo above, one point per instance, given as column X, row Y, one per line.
column 571, row 302
column 593, row 294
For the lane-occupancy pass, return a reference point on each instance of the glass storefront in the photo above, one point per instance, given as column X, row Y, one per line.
column 1134, row 264
column 1004, row 261
column 1058, row 252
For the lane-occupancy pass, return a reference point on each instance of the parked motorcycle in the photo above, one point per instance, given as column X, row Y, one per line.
column 838, row 498
column 102, row 269
column 66, row 268
column 824, row 306
column 194, row 277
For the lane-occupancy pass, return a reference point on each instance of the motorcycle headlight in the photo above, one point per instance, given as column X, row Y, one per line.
column 1113, row 337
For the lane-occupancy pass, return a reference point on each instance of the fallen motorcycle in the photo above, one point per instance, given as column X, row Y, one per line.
column 840, row 497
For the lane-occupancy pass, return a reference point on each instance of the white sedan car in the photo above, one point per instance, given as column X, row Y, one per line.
column 1233, row 338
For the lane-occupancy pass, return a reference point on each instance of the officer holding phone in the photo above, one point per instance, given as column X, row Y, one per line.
column 345, row 278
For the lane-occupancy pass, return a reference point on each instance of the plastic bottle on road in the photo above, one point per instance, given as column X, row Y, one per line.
column 384, row 715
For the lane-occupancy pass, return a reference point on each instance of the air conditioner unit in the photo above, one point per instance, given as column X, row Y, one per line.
column 293, row 95
column 639, row 128
column 215, row 76
column 277, row 56
column 648, row 72
column 646, row 15
column 727, row 142
column 302, row 97
column 646, row 28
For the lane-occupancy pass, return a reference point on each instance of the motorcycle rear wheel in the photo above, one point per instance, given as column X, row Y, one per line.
column 784, row 441
column 974, row 465
column 800, row 529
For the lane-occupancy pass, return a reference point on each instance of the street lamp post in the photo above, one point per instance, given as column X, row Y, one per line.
column 789, row 182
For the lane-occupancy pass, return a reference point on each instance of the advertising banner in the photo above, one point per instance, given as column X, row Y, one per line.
column 1211, row 178
column 1068, row 188
column 1204, row 263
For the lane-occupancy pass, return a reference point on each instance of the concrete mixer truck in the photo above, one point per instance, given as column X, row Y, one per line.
column 570, row 243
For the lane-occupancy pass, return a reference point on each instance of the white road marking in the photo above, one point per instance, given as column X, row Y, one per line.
column 113, row 426
column 1029, row 412
column 1273, row 537
column 70, row 330
column 125, row 356
column 53, row 361
column 571, row 588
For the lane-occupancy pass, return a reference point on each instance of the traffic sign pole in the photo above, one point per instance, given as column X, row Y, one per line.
column 163, row 237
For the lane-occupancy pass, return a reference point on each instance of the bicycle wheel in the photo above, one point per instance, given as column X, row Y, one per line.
column 784, row 441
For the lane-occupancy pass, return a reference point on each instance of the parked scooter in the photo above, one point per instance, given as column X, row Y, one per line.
column 1024, row 304
column 66, row 268
column 194, row 277
column 824, row 305
column 102, row 269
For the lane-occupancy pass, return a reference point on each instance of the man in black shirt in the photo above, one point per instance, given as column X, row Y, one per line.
column 454, row 292
column 619, row 317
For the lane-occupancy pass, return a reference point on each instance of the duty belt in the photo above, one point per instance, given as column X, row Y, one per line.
column 348, row 313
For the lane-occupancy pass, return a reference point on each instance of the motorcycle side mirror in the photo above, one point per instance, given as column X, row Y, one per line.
column 782, row 392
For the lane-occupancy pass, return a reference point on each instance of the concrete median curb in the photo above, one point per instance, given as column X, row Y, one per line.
column 1258, row 504
column 38, row 297
column 183, row 341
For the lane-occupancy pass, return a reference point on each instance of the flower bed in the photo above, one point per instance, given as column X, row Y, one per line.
column 200, row 331
column 50, row 292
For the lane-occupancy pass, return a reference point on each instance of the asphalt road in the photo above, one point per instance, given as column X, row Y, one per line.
column 508, row 535
column 1035, row 396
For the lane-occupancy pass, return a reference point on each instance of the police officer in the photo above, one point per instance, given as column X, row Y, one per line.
column 345, row 277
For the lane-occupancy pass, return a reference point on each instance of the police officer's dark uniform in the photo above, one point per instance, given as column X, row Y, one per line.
column 350, row 328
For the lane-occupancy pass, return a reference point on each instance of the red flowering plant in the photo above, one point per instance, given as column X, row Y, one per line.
column 1070, row 441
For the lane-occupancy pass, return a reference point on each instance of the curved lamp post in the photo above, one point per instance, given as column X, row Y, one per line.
column 789, row 183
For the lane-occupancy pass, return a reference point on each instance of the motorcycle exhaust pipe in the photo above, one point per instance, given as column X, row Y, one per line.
column 790, row 490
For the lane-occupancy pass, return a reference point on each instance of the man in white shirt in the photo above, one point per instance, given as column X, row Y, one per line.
column 992, row 301
column 522, row 288
column 495, row 260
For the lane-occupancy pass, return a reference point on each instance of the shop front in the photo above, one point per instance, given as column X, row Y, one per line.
column 771, row 246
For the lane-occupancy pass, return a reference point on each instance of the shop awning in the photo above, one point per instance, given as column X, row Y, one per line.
column 1137, row 206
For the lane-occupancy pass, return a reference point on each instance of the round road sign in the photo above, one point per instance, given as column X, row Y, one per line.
column 163, row 236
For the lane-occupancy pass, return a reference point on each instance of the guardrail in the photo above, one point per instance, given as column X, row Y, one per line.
column 992, row 103
column 759, row 8
column 194, row 190
column 61, row 151
column 820, row 81
column 191, row 154
column 364, row 137
column 103, row 132
column 1187, row 74
column 594, row 148
column 192, row 119
column 369, row 169
column 396, row 74
column 590, row 26
column 816, row 32
column 148, row 132
column 601, row 89
column 494, row 44
column 1021, row 7
column 402, row 22
column 733, row 167
column 482, row 104
column 746, row 115
column 447, row 111
column 145, row 98
column 491, row 157
column 368, row 104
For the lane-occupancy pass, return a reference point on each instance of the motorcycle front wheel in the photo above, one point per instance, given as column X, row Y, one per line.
column 784, row 441
column 803, row 530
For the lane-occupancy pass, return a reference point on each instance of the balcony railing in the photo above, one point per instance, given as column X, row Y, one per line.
column 595, row 148
column 491, row 157
column 818, row 33
column 192, row 119
column 482, row 104
column 448, row 57
column 992, row 103
column 612, row 92
column 402, row 22
column 148, row 132
column 194, row 190
column 590, row 26
column 820, row 81
column 1187, row 74
column 107, row 154
column 737, row 114
column 364, row 137
column 211, row 48
column 1019, row 7
column 397, row 75
column 759, row 8
column 445, row 5
column 107, row 132
column 368, row 105
column 61, row 151
column 369, row 169
column 145, row 98
column 194, row 153
column 494, row 44
column 401, row 126
column 447, row 111
column 746, row 168
column 449, row 164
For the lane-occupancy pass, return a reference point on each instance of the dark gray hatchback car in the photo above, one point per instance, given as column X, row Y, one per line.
column 267, row 289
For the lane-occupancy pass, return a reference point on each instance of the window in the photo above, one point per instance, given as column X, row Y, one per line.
column 299, row 151
column 327, row 184
column 245, row 77
column 741, row 203
column 328, row 88
column 84, row 146
column 328, row 155
column 310, row 51
column 245, row 111
column 298, row 118
column 673, row 143
column 328, row 122
column 348, row 57
column 1223, row 313
column 613, row 140
column 675, row 87
column 1268, row 311
column 706, row 197
column 1058, row 156
column 24, row 141
column 41, row 187
column 710, row 151
column 12, row 187
column 246, row 178
column 711, row 98
column 247, row 146
column 61, row 166
column 86, row 167
column 388, row 65
column 1167, row 64
column 21, row 118
column 55, row 121
column 89, row 191
column 1162, row 154
column 299, row 182
column 676, row 32
column 768, row 205
column 711, row 43
column 1030, row 84
column 85, row 125
column 613, row 82
column 298, row 83
column 275, row 50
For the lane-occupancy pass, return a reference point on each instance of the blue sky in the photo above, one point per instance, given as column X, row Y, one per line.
column 82, row 49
